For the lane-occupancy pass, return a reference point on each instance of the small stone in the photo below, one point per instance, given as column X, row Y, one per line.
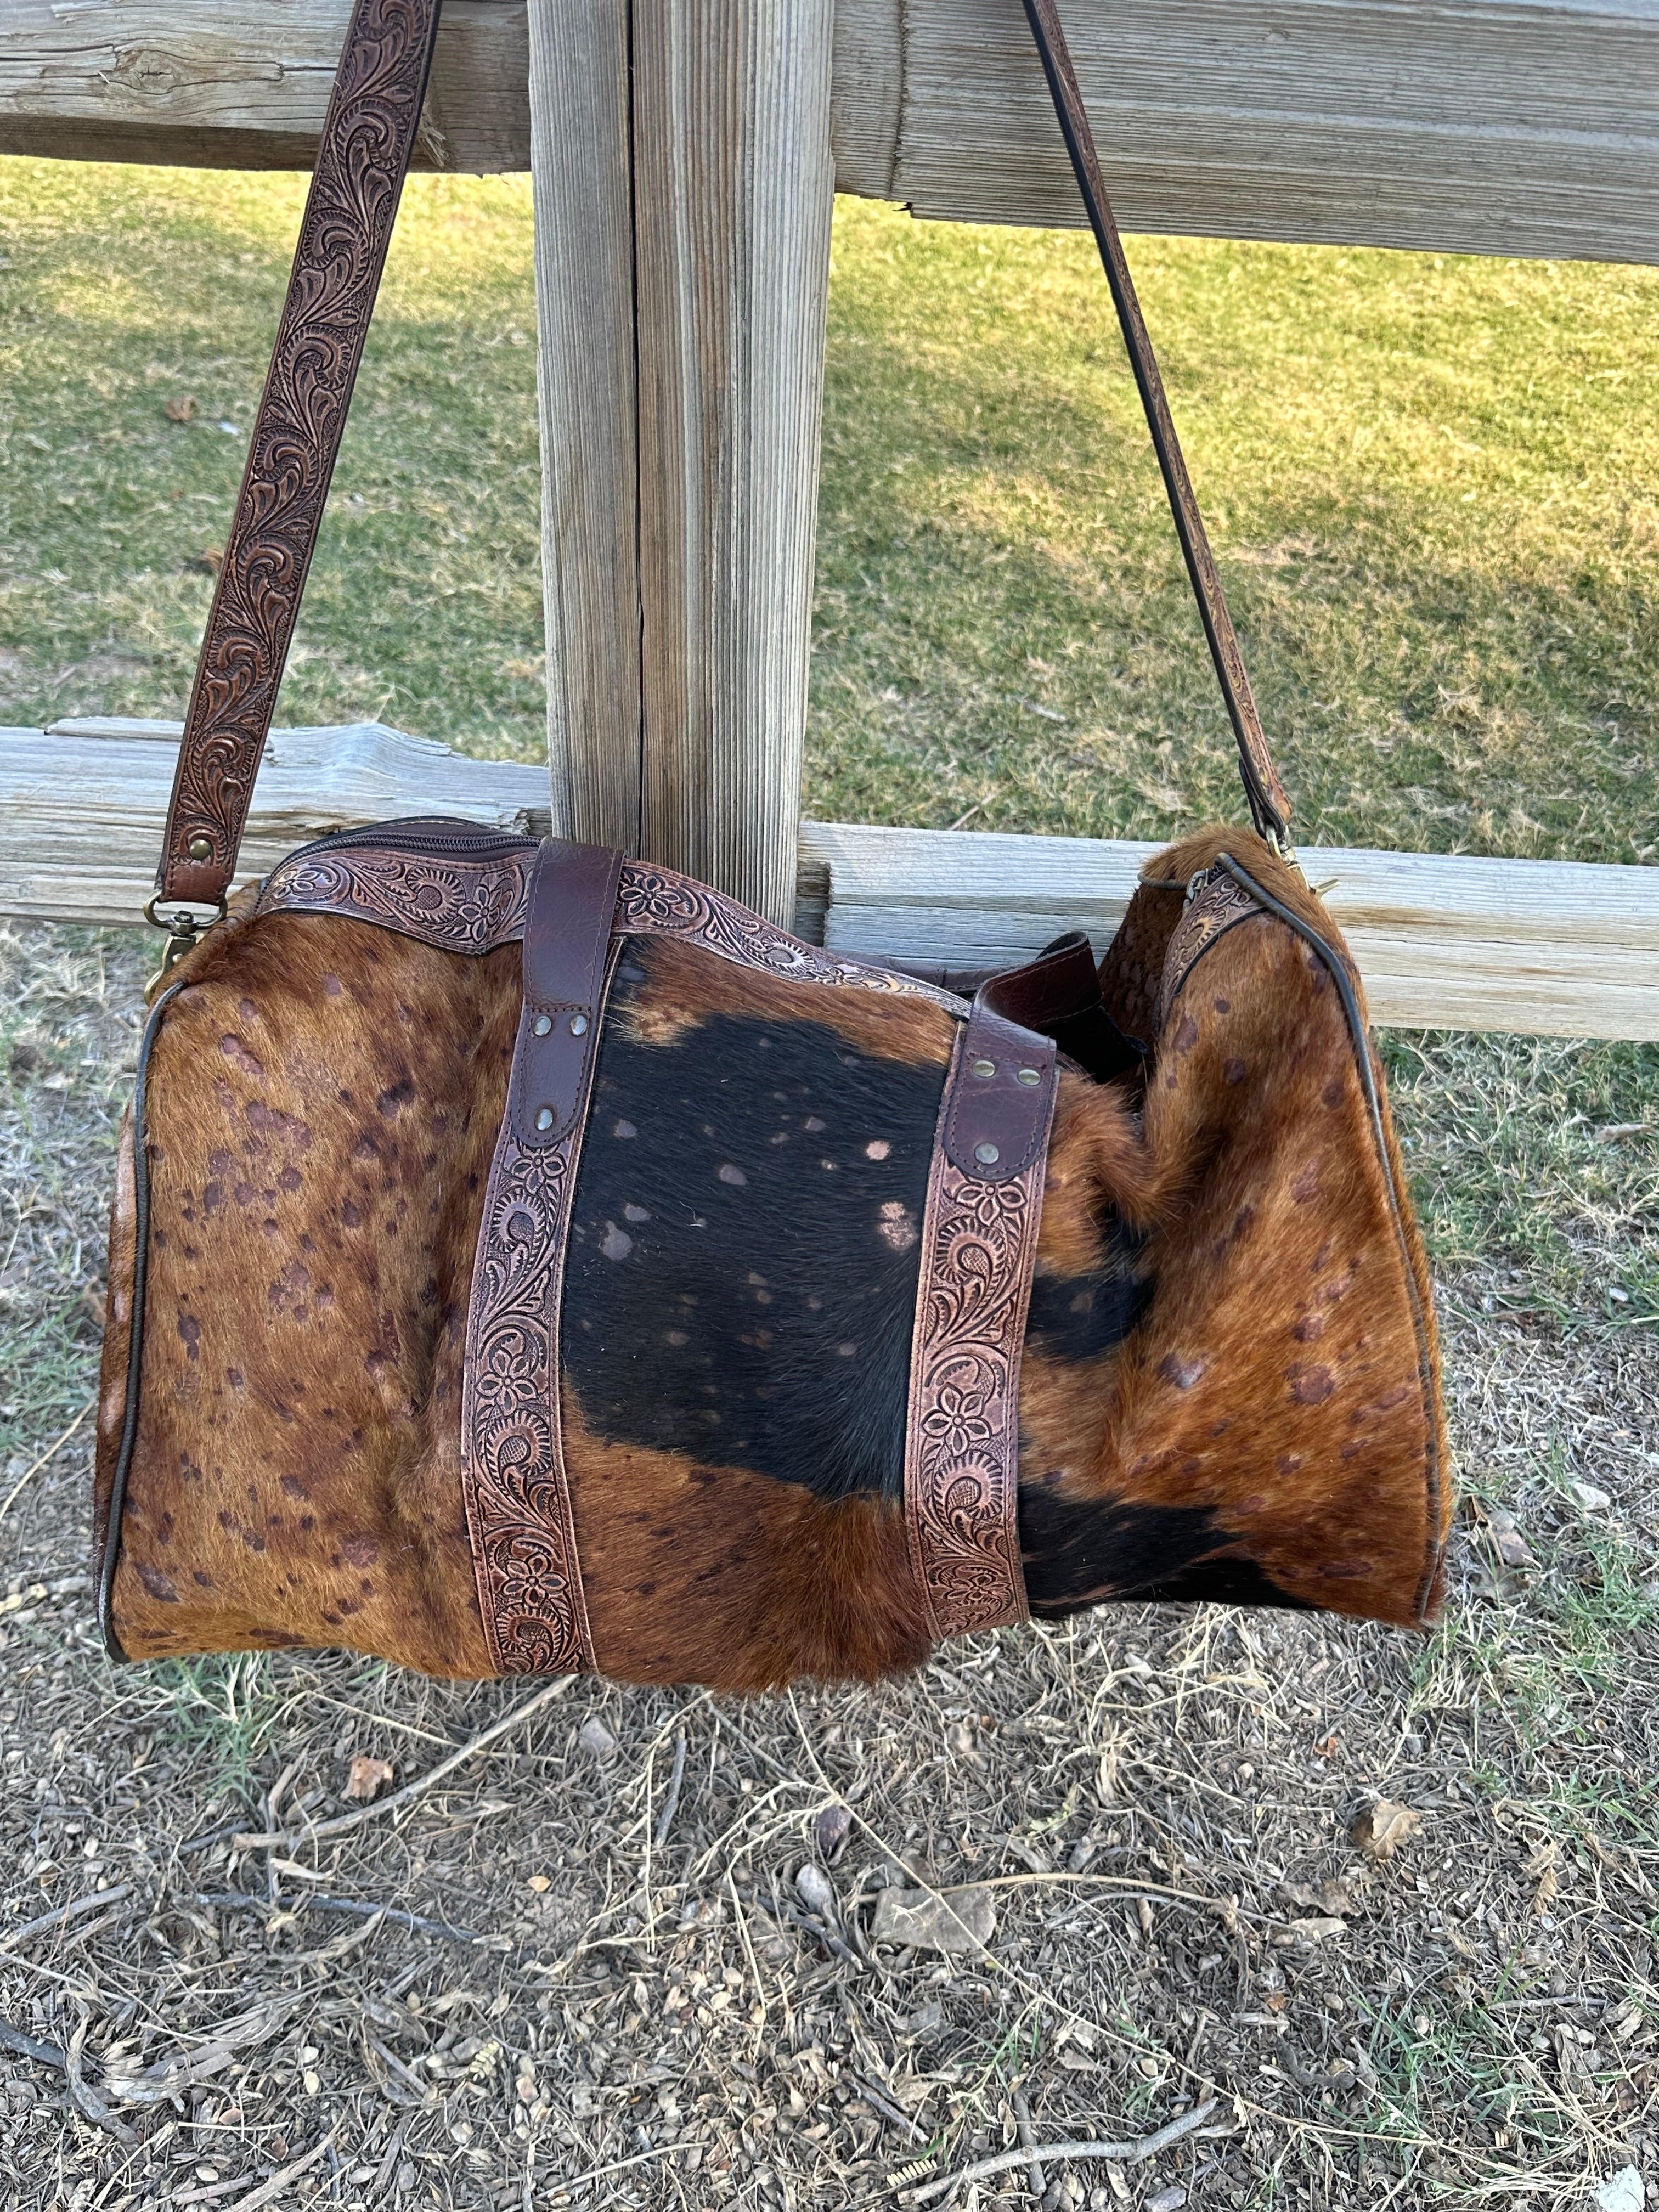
column 595, row 1737
column 830, row 1830
column 815, row 1889
column 1592, row 1499
column 1624, row 2192
column 1167, row 2200
column 959, row 1920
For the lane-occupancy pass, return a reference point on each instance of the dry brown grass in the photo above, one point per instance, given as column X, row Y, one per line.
column 636, row 2005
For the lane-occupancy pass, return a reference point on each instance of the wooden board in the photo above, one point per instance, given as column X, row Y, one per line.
column 1480, row 126
column 1554, row 948
column 1548, row 947
column 81, row 805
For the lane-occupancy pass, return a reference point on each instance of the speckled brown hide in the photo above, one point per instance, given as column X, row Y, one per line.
column 1278, row 1385
column 323, row 1098
column 1222, row 1391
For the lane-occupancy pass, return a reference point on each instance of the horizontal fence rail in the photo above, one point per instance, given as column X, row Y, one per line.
column 1493, row 126
column 1550, row 948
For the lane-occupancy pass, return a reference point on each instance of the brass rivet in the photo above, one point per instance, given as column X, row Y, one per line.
column 542, row 1024
column 201, row 848
column 578, row 1025
column 986, row 1153
column 1031, row 1075
column 983, row 1068
column 544, row 1117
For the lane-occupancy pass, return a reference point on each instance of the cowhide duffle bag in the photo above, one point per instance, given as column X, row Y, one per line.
column 526, row 1260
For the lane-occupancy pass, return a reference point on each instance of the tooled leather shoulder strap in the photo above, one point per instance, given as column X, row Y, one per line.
column 373, row 117
column 979, row 1244
column 517, row 1493
column 1270, row 809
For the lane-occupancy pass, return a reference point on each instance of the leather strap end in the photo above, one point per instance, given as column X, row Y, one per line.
column 566, row 939
column 998, row 1120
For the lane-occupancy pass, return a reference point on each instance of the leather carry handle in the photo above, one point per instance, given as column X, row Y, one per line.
column 373, row 114
column 1270, row 809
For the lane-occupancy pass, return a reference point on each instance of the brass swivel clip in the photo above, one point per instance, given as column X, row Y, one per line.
column 185, row 928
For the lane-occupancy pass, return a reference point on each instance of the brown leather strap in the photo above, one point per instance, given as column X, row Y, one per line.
column 566, row 938
column 518, row 1513
column 978, row 1250
column 1003, row 1098
column 1270, row 809
column 368, row 134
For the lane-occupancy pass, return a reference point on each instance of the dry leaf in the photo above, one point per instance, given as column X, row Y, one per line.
column 1541, row 1868
column 368, row 1777
column 182, row 409
column 1510, row 1546
column 595, row 1737
column 961, row 1920
column 815, row 1889
column 1381, row 1829
column 1307, row 1932
column 539, row 1882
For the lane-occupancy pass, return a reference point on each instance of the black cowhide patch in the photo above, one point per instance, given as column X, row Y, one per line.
column 1080, row 1552
column 744, row 1246
column 1076, row 1318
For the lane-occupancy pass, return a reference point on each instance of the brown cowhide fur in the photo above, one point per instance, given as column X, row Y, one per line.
column 1224, row 1391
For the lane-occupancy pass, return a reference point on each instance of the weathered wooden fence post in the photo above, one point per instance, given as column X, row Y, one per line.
column 683, row 191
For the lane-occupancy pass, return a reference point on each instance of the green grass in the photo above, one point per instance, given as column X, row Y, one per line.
column 124, row 288
column 1431, row 482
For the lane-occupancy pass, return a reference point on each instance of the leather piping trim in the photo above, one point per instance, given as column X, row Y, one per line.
column 519, row 1515
column 118, row 1491
column 1360, row 1040
column 962, row 1432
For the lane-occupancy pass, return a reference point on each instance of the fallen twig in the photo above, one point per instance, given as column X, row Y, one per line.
column 807, row 1921
column 889, row 2111
column 1121, row 2154
column 132, row 2084
column 671, row 1803
column 46, row 1458
column 279, row 2180
column 25, row 2047
column 1034, row 2173
column 95, row 1901
column 87, row 2102
column 344, row 1822
column 561, row 2191
column 236, row 1900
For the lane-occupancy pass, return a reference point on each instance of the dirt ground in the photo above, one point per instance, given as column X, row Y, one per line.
column 633, row 1950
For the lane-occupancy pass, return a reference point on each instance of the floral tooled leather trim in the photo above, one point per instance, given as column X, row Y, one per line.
column 659, row 902
column 961, row 1442
column 512, row 1474
column 1217, row 906
column 374, row 115
column 457, row 903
